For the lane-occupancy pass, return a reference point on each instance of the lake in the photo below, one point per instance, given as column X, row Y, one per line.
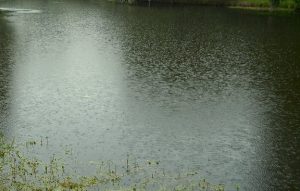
column 206, row 89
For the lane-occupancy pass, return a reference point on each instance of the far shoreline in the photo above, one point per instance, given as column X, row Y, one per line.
column 262, row 9
column 261, row 5
column 257, row 5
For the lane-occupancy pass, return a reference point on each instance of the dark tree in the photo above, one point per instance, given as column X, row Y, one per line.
column 275, row 3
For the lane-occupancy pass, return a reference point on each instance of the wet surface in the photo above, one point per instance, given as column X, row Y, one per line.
column 201, row 88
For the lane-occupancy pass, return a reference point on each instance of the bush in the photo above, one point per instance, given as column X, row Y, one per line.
column 297, row 2
column 275, row 3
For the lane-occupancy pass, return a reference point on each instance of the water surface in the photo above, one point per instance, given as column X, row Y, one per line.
column 209, row 89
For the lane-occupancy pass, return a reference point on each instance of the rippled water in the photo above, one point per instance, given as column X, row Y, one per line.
column 201, row 88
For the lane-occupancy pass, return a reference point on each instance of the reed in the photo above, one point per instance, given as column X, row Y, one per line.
column 24, row 173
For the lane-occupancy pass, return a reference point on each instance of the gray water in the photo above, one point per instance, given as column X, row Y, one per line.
column 207, row 89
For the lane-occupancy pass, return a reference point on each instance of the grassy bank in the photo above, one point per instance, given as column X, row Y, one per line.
column 20, row 172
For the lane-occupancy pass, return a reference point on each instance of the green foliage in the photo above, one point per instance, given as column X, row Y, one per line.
column 279, row 5
column 297, row 3
column 275, row 3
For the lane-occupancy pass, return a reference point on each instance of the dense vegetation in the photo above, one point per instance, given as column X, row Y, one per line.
column 290, row 4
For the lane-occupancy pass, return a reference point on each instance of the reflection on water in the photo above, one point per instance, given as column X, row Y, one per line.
column 6, row 65
column 18, row 11
column 223, row 76
column 208, row 89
